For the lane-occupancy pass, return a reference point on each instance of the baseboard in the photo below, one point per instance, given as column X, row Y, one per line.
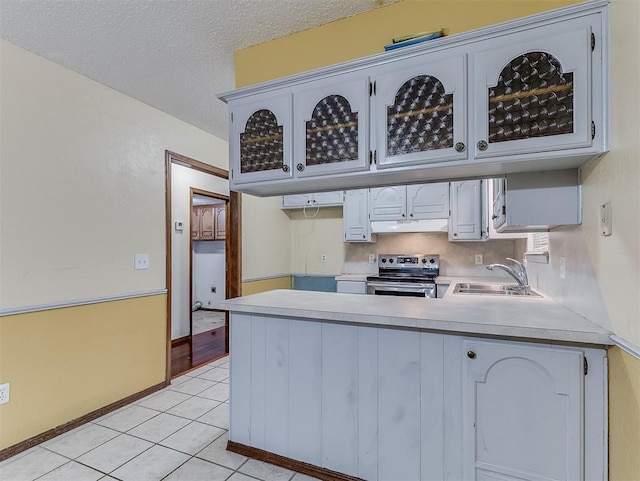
column 179, row 341
column 288, row 463
column 68, row 426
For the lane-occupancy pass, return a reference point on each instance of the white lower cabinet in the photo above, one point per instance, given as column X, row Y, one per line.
column 524, row 411
column 381, row 403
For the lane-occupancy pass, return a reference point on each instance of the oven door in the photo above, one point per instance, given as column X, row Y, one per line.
column 406, row 289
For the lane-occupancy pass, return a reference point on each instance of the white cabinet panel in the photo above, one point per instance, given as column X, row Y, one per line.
column 240, row 326
column 340, row 397
column 420, row 110
column 534, row 91
column 536, row 201
column 331, row 126
column 468, row 221
column 522, row 412
column 428, row 201
column 305, row 391
column 276, row 405
column 368, row 387
column 388, row 203
column 399, row 405
column 355, row 214
column 260, row 138
column 317, row 199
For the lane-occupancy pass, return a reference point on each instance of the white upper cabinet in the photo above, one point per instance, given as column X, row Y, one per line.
column 528, row 95
column 388, row 203
column 331, row 126
column 410, row 202
column 260, row 139
column 428, row 201
column 468, row 220
column 357, row 227
column 533, row 91
column 317, row 199
column 419, row 111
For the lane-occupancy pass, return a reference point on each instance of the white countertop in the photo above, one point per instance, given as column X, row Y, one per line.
column 510, row 316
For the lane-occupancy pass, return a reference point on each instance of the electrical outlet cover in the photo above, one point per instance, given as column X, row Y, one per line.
column 4, row 393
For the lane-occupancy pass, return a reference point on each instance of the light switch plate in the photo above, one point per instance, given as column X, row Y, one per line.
column 141, row 261
column 605, row 219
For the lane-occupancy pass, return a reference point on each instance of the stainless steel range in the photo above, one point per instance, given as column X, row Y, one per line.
column 405, row 275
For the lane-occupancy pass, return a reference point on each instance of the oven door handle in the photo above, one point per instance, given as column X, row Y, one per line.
column 397, row 287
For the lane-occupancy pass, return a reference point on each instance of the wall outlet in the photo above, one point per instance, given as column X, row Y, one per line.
column 141, row 261
column 4, row 393
column 479, row 260
column 323, row 258
column 372, row 258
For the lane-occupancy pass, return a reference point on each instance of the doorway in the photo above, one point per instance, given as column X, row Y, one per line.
column 209, row 323
column 191, row 184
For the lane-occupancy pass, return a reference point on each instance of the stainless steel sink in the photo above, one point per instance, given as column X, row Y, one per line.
column 494, row 289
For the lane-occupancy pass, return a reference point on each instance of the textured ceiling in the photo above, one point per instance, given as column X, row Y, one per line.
column 174, row 55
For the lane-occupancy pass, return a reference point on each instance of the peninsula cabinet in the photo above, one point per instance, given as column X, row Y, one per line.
column 523, row 411
column 523, row 96
column 388, row 403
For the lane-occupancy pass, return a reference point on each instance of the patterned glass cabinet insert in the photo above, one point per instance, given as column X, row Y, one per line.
column 331, row 126
column 421, row 111
column 535, row 96
column 260, row 139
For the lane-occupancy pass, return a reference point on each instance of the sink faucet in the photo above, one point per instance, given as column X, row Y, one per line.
column 519, row 273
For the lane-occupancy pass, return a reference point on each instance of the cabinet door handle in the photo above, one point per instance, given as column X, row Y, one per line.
column 460, row 147
column 494, row 217
column 482, row 145
column 285, row 168
column 471, row 354
column 300, row 167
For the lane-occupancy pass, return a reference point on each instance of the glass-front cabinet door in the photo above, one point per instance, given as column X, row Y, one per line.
column 260, row 139
column 420, row 111
column 534, row 95
column 331, row 126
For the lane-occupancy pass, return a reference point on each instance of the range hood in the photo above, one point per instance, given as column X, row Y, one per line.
column 390, row 227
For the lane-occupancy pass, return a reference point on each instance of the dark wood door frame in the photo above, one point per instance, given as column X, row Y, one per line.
column 233, row 244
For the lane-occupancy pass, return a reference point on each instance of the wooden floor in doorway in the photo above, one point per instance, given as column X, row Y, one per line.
column 207, row 346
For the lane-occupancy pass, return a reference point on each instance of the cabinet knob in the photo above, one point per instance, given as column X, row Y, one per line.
column 471, row 354
column 455, row 234
column 300, row 167
column 482, row 145
column 411, row 215
column 460, row 146
column 285, row 168
column 364, row 236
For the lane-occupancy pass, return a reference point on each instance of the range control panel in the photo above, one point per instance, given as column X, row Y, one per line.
column 403, row 261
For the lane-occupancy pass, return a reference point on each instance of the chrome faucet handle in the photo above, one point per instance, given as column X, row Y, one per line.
column 522, row 270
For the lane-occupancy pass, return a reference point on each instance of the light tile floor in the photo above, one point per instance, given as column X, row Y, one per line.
column 177, row 434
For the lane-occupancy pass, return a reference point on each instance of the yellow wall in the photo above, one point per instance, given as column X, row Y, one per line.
column 263, row 285
column 624, row 421
column 615, row 178
column 368, row 33
column 64, row 363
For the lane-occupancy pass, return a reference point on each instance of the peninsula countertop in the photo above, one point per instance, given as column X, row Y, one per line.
column 509, row 316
